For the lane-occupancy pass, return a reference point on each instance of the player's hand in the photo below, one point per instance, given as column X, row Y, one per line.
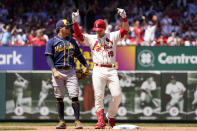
column 122, row 12
column 75, row 16
column 57, row 75
column 86, row 71
column 143, row 17
column 154, row 18
column 82, row 73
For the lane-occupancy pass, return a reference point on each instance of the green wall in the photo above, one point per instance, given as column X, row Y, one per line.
column 2, row 95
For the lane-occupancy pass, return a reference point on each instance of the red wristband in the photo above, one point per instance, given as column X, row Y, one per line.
column 125, row 19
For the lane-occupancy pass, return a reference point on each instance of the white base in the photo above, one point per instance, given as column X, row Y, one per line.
column 129, row 127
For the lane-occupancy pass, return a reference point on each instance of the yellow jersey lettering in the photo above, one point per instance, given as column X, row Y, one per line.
column 60, row 48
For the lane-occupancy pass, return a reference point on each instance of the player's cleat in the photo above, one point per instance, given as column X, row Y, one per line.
column 61, row 125
column 78, row 125
column 101, row 122
column 100, row 125
column 111, row 121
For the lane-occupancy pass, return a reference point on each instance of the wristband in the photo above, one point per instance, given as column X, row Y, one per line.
column 125, row 19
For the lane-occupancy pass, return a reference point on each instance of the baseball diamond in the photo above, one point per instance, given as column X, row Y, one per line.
column 98, row 64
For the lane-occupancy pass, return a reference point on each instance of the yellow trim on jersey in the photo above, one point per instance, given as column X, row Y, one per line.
column 75, row 102
column 64, row 54
column 68, row 52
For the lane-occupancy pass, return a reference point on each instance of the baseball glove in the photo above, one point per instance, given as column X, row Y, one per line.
column 82, row 73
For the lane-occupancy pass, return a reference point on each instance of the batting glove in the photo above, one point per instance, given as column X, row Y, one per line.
column 75, row 16
column 122, row 13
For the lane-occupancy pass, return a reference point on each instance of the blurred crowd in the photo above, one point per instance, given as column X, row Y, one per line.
column 152, row 22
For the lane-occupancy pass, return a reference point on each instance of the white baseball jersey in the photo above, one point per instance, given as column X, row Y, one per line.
column 45, row 87
column 175, row 90
column 149, row 34
column 195, row 97
column 19, row 85
column 148, row 86
column 103, row 49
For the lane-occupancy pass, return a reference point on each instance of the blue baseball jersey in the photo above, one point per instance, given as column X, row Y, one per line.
column 62, row 51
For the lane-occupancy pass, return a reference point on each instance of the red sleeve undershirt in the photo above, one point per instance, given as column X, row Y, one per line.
column 123, row 32
column 77, row 32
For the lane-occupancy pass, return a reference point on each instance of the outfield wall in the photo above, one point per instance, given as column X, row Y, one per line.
column 138, row 103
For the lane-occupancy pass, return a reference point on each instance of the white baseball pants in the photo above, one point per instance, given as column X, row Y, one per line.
column 101, row 77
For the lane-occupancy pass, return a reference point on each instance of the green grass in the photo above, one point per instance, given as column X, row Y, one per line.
column 16, row 128
column 92, row 124
column 38, row 124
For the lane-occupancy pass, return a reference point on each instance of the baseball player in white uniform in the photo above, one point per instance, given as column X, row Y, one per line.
column 176, row 91
column 147, row 87
column 44, row 91
column 19, row 85
column 194, row 102
column 103, row 48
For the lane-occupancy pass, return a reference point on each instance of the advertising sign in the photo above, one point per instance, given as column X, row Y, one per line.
column 16, row 58
column 166, row 58
column 40, row 62
column 125, row 58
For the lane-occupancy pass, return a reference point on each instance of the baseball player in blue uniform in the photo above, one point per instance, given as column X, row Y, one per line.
column 60, row 52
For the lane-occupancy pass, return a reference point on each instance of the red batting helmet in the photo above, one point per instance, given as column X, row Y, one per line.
column 99, row 25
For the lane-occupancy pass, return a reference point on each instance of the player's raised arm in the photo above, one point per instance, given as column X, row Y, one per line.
column 76, row 29
column 125, row 28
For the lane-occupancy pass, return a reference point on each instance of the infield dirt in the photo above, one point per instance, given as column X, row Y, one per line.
column 91, row 128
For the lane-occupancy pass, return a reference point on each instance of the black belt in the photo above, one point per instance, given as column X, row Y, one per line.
column 64, row 67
